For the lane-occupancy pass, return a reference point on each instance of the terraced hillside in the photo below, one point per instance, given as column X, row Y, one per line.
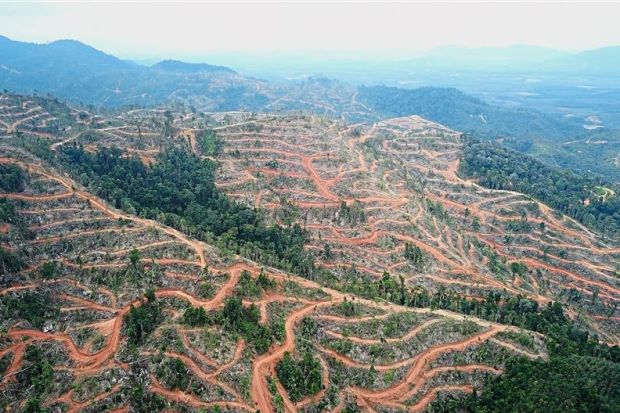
column 388, row 198
column 106, row 310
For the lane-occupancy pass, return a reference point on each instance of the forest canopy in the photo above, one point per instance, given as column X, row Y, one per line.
column 179, row 191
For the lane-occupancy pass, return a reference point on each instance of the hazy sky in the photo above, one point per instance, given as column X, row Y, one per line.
column 142, row 30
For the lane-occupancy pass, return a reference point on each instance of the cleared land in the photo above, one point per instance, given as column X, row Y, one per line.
column 366, row 194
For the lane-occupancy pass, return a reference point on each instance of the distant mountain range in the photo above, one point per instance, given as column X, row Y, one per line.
column 449, row 65
column 520, row 58
column 77, row 72
column 605, row 60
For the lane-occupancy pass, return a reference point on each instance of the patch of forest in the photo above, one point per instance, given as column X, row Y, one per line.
column 584, row 197
column 179, row 191
column 466, row 113
column 240, row 319
column 565, row 384
column 12, row 178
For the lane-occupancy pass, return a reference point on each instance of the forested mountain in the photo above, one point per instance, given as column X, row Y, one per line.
column 80, row 73
column 466, row 113
column 605, row 60
column 61, row 57
column 62, row 67
column 76, row 71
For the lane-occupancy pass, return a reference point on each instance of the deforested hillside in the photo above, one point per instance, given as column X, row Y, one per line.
column 168, row 259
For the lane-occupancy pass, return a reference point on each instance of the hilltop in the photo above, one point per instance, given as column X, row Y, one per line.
column 176, row 66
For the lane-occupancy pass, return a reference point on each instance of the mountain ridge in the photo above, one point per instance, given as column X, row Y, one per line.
column 180, row 66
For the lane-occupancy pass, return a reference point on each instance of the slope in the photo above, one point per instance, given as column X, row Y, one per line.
column 141, row 316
